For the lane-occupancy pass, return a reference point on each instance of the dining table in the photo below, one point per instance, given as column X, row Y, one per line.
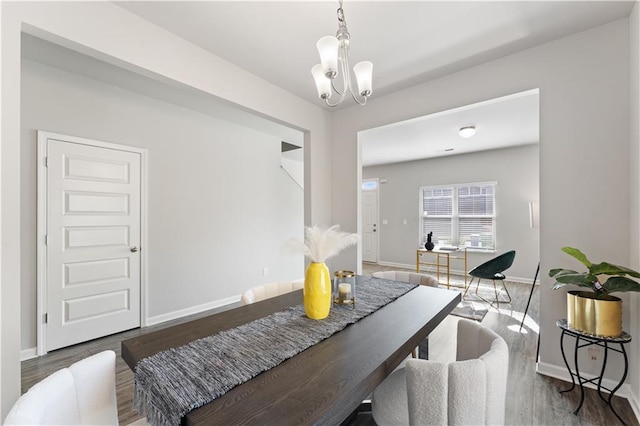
column 324, row 384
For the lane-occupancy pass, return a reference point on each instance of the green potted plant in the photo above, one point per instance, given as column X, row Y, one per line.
column 595, row 312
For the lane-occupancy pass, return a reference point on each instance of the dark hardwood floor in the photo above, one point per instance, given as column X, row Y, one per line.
column 532, row 399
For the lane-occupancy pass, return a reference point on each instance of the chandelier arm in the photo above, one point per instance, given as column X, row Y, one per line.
column 335, row 89
column 343, row 59
column 342, row 94
column 326, row 100
column 359, row 102
column 347, row 78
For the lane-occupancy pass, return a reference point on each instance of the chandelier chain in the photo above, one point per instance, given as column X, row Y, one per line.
column 340, row 13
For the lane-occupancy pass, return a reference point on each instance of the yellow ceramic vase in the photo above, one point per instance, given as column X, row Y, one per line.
column 317, row 291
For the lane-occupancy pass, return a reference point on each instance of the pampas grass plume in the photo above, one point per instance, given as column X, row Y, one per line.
column 321, row 244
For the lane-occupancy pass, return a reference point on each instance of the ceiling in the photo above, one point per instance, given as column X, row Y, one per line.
column 500, row 123
column 408, row 42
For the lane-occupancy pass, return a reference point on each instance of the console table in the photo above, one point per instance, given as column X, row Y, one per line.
column 442, row 260
column 590, row 340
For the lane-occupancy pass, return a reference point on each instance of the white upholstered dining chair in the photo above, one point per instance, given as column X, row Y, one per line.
column 268, row 290
column 82, row 394
column 469, row 391
column 407, row 277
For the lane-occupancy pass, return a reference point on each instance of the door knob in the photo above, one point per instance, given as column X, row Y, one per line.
column 133, row 249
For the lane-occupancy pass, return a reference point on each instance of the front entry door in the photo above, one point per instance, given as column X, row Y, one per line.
column 370, row 221
column 92, row 242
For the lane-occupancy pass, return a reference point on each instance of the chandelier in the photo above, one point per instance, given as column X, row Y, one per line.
column 334, row 60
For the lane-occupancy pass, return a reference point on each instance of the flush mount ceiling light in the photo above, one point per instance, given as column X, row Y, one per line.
column 334, row 53
column 467, row 131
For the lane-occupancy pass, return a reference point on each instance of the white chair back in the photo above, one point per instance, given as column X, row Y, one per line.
column 470, row 390
column 82, row 394
column 268, row 290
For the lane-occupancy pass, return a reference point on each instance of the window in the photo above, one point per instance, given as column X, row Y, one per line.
column 459, row 215
column 369, row 185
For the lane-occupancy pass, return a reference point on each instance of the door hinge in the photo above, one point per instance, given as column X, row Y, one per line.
column 46, row 318
column 46, row 161
column 46, row 240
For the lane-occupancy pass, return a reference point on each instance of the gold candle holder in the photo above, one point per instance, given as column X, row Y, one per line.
column 344, row 288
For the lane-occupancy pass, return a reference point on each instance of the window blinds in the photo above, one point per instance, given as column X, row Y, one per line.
column 460, row 215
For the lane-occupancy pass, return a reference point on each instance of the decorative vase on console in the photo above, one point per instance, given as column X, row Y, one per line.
column 317, row 291
column 319, row 245
column 429, row 244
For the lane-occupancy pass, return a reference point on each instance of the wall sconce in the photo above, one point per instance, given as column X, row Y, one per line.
column 534, row 214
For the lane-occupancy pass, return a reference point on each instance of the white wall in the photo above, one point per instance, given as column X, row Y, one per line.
column 515, row 170
column 210, row 216
column 634, row 195
column 584, row 150
column 108, row 32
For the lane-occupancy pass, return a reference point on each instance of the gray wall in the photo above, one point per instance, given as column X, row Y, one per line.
column 219, row 205
column 515, row 170
column 634, row 161
column 584, row 150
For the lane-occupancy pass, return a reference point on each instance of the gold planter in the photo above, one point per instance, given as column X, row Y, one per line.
column 600, row 316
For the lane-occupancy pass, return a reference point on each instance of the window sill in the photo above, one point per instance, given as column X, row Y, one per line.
column 478, row 250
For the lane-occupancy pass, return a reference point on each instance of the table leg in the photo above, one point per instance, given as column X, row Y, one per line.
column 417, row 261
column 465, row 267
column 438, row 267
column 564, row 357
column 448, row 269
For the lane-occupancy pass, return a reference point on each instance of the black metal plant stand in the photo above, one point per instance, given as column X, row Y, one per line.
column 590, row 340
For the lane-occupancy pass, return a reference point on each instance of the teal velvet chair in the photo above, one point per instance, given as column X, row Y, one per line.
column 492, row 270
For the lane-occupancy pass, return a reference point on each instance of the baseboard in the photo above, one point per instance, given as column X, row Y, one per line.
column 397, row 265
column 453, row 272
column 26, row 354
column 633, row 401
column 562, row 374
column 192, row 310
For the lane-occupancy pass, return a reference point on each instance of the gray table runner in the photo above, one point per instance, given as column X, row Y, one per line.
column 171, row 383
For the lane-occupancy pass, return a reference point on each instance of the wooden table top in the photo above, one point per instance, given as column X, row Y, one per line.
column 323, row 384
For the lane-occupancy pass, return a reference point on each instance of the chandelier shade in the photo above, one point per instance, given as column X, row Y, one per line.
column 364, row 73
column 334, row 62
column 323, row 83
column 328, row 51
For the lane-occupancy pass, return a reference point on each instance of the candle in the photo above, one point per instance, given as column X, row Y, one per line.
column 344, row 292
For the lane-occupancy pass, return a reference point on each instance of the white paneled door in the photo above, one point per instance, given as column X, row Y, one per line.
column 92, row 244
column 370, row 221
